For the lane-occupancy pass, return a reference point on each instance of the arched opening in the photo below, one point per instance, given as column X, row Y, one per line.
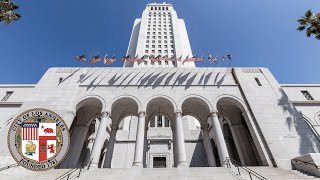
column 199, row 150
column 118, row 151
column 159, row 139
column 82, row 132
column 238, row 136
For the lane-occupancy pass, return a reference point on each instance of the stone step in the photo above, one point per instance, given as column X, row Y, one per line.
column 206, row 173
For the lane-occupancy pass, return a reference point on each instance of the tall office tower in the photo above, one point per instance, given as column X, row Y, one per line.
column 159, row 33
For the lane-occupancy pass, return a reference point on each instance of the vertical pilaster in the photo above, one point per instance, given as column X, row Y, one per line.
column 221, row 144
column 139, row 148
column 99, row 140
column 181, row 149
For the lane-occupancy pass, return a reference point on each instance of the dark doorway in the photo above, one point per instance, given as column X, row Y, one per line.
column 159, row 162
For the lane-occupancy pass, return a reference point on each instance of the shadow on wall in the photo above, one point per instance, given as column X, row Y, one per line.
column 155, row 79
column 199, row 156
column 309, row 143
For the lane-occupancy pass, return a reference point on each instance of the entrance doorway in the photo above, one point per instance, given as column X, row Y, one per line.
column 159, row 162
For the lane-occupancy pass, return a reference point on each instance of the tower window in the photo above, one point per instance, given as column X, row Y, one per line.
column 307, row 95
column 159, row 63
column 166, row 62
column 6, row 97
column 153, row 46
column 147, row 51
column 145, row 62
column 147, row 46
column 258, row 82
column 159, row 46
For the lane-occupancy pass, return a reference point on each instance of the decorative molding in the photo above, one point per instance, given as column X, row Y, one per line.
column 159, row 136
column 66, row 70
column 251, row 70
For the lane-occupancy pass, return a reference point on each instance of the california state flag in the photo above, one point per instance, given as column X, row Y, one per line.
column 47, row 140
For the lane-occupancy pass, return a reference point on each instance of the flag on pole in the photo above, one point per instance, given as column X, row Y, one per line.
column 187, row 59
column 95, row 59
column 172, row 58
column 81, row 58
column 223, row 58
column 215, row 59
column 229, row 56
column 151, row 57
column 125, row 58
column 141, row 59
column 209, row 57
column 110, row 61
column 199, row 59
column 105, row 59
column 180, row 58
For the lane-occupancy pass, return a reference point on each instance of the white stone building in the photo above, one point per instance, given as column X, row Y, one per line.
column 171, row 114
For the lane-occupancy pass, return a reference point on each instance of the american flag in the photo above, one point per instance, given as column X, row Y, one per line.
column 81, row 58
column 30, row 131
column 105, row 59
column 215, row 59
column 229, row 56
column 125, row 58
column 95, row 59
column 110, row 61
column 224, row 57
column 209, row 57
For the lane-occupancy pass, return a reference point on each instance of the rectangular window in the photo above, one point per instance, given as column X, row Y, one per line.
column 258, row 82
column 153, row 37
column 153, row 51
column 147, row 37
column 146, row 51
column 166, row 62
column 159, row 62
column 147, row 41
column 153, row 46
column 145, row 62
column 148, row 33
column 6, row 97
column 159, row 46
column 166, row 46
column 166, row 51
column 147, row 46
column 159, row 41
column 159, row 37
column 307, row 95
column 165, row 37
column 159, row 51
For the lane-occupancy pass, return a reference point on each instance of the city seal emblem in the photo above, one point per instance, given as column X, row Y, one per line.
column 38, row 139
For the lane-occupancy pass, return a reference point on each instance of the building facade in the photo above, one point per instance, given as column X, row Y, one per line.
column 171, row 115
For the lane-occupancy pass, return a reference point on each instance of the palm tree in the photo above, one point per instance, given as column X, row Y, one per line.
column 311, row 23
column 6, row 12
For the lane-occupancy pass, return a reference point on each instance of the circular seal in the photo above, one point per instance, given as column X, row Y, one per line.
column 38, row 139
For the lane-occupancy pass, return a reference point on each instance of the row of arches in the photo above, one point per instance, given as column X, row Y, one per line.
column 239, row 132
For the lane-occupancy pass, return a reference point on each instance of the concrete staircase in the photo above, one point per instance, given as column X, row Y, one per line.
column 205, row 173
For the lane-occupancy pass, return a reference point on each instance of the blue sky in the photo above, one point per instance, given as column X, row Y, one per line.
column 258, row 34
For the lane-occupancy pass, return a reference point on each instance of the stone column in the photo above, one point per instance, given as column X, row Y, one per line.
column 139, row 148
column 219, row 138
column 181, row 149
column 112, row 141
column 99, row 140
column 207, row 146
